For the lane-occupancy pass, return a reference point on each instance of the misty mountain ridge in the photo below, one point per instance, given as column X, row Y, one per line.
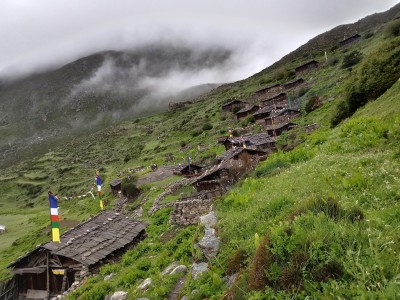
column 98, row 90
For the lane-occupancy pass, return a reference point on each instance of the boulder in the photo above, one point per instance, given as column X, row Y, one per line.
column 208, row 220
column 179, row 269
column 120, row 295
column 198, row 268
column 209, row 244
column 145, row 284
column 168, row 269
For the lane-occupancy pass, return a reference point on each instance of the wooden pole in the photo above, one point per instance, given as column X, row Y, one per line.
column 48, row 275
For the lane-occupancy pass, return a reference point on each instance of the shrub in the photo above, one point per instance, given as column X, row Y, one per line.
column 207, row 126
column 196, row 132
column 355, row 214
column 332, row 269
column 313, row 103
column 236, row 262
column 129, row 188
column 351, row 59
column 377, row 73
column 333, row 61
column 235, row 110
column 290, row 277
column 250, row 119
column 329, row 206
column 261, row 261
column 393, row 29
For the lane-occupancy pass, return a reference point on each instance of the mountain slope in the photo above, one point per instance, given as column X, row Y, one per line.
column 96, row 91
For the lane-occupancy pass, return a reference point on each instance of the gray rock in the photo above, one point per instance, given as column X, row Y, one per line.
column 199, row 268
column 232, row 279
column 179, row 269
column 168, row 269
column 208, row 220
column 184, row 298
column 209, row 244
column 108, row 277
column 145, row 284
column 120, row 295
column 142, row 299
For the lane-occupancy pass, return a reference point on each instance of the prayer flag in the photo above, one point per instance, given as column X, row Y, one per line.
column 54, row 218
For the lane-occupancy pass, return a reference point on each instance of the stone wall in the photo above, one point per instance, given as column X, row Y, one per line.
column 189, row 211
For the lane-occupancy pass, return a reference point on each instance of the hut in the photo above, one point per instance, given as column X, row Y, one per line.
column 116, row 186
column 232, row 105
column 304, row 68
column 277, row 130
column 293, row 84
column 240, row 153
column 248, row 110
column 278, row 101
column 268, row 91
column 282, row 116
column 215, row 178
column 190, row 170
column 262, row 113
column 51, row 268
column 350, row 40
column 258, row 141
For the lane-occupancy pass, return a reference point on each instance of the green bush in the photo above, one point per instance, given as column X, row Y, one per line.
column 393, row 29
column 129, row 188
column 377, row 73
column 207, row 126
column 196, row 132
column 351, row 59
column 312, row 104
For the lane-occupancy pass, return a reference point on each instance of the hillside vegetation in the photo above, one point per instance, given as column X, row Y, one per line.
column 320, row 221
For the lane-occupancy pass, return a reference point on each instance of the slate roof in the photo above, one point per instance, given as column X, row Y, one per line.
column 93, row 240
column 267, row 88
column 312, row 62
column 289, row 83
column 279, row 126
column 210, row 171
column 231, row 153
column 192, row 166
column 246, row 109
column 263, row 110
column 355, row 36
column 275, row 97
column 233, row 101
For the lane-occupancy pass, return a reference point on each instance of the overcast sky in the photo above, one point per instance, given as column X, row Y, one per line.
column 35, row 34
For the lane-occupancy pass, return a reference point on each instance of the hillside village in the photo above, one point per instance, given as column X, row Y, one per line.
column 175, row 211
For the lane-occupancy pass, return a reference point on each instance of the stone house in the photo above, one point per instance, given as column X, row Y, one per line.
column 244, row 112
column 278, row 101
column 116, row 186
column 51, row 268
column 262, row 113
column 277, row 130
column 258, row 141
column 304, row 68
column 350, row 40
column 293, row 84
column 282, row 116
column 269, row 91
column 232, row 105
